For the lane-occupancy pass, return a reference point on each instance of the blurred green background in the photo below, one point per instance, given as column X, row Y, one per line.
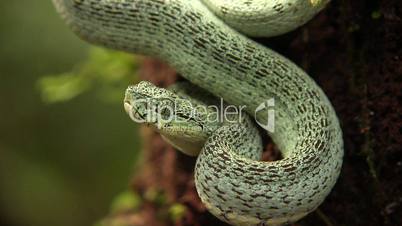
column 66, row 145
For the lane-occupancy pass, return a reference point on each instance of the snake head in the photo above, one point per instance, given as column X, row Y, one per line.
column 146, row 103
column 173, row 116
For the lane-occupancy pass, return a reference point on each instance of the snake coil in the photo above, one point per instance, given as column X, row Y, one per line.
column 192, row 37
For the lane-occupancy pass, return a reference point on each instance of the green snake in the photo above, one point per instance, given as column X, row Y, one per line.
column 202, row 40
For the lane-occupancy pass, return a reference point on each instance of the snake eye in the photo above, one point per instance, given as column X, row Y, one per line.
column 138, row 115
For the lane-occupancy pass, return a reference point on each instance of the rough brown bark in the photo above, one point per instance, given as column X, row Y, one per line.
column 352, row 50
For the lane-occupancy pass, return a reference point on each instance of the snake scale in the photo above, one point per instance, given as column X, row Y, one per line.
column 198, row 38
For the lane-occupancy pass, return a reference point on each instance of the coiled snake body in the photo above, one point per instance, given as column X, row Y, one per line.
column 232, row 183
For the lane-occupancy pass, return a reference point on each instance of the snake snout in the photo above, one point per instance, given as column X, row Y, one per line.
column 128, row 103
column 127, row 107
column 129, row 110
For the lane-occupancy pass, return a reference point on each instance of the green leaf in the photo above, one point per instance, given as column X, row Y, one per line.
column 177, row 211
column 107, row 72
column 126, row 201
column 62, row 87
